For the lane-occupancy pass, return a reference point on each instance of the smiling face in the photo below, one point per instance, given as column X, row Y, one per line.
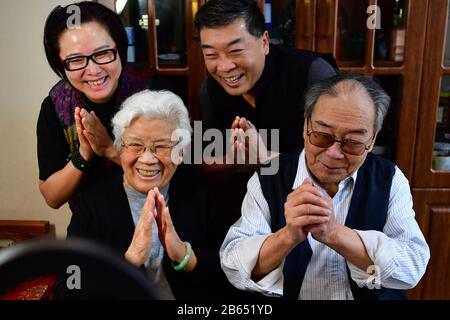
column 234, row 57
column 97, row 82
column 350, row 115
column 146, row 171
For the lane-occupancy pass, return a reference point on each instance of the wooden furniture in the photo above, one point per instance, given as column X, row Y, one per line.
column 18, row 231
column 165, row 45
column 40, row 288
column 22, row 230
column 431, row 182
column 420, row 90
column 340, row 28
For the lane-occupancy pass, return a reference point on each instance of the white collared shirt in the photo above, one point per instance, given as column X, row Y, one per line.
column 400, row 251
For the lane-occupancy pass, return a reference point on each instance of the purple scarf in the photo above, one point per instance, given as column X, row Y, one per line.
column 66, row 98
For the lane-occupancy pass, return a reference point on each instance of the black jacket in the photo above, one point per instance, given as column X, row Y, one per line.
column 104, row 215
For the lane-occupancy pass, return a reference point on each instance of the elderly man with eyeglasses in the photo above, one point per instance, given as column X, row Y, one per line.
column 335, row 222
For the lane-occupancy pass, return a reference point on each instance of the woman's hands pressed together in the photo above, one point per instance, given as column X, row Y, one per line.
column 93, row 135
column 139, row 249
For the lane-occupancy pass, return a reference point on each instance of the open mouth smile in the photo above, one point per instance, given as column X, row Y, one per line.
column 233, row 79
column 148, row 173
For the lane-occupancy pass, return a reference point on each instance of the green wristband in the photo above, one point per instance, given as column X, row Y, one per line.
column 184, row 262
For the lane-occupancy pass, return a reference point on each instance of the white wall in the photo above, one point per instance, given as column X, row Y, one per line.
column 25, row 81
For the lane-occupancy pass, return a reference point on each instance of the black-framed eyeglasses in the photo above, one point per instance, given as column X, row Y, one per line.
column 99, row 57
column 158, row 149
column 325, row 140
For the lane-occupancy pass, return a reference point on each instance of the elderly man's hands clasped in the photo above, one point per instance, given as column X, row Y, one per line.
column 307, row 210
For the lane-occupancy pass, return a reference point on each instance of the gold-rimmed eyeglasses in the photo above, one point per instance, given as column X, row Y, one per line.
column 158, row 149
column 326, row 140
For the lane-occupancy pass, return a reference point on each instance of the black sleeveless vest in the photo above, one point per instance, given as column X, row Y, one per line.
column 368, row 211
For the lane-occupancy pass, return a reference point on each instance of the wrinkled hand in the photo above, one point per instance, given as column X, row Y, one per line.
column 246, row 143
column 85, row 148
column 139, row 250
column 305, row 208
column 175, row 248
column 97, row 135
column 324, row 232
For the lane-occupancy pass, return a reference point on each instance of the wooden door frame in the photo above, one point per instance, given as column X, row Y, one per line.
column 424, row 175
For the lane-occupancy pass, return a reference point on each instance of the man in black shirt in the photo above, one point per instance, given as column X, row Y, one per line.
column 253, row 85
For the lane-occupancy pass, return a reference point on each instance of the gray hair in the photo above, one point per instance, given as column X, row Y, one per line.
column 163, row 105
column 379, row 97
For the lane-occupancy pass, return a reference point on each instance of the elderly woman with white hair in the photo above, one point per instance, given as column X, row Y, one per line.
column 162, row 216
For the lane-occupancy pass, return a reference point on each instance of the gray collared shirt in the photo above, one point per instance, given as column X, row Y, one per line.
column 153, row 265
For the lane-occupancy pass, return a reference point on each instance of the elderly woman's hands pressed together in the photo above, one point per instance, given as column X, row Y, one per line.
column 155, row 209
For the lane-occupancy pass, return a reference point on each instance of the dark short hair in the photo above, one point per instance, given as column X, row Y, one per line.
column 220, row 13
column 380, row 99
column 56, row 24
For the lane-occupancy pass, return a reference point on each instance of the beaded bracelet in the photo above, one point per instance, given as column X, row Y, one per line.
column 184, row 262
column 78, row 161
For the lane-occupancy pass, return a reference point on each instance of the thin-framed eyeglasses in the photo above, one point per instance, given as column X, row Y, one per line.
column 100, row 57
column 158, row 149
column 326, row 140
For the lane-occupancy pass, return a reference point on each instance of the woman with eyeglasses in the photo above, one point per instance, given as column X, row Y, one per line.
column 160, row 215
column 86, row 45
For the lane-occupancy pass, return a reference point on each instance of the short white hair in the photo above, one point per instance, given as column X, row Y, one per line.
column 149, row 104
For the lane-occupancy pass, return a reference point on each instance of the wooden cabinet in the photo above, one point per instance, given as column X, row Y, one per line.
column 431, row 173
column 340, row 27
column 420, row 114
column 416, row 133
column 163, row 46
column 190, row 64
column 432, row 157
column 433, row 214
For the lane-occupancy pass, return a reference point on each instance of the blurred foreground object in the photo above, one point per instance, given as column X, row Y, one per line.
column 85, row 270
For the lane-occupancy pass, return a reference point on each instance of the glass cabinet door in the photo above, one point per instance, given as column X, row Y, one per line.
column 441, row 152
column 135, row 18
column 164, row 21
column 387, row 140
column 370, row 37
column 390, row 36
column 170, row 33
column 432, row 166
column 341, row 27
column 162, row 45
column 281, row 19
column 351, row 32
